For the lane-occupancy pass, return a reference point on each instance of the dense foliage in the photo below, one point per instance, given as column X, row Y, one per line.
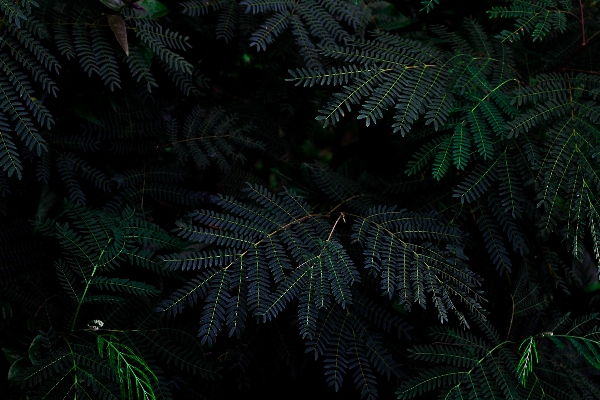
column 208, row 199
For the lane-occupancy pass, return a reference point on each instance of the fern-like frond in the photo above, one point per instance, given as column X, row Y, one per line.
column 398, row 246
column 310, row 21
column 419, row 81
column 477, row 182
column 494, row 242
column 123, row 285
column 211, row 137
column 537, row 19
column 161, row 41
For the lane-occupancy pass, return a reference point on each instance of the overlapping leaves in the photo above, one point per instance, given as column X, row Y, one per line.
column 273, row 251
column 473, row 366
column 265, row 255
column 462, row 93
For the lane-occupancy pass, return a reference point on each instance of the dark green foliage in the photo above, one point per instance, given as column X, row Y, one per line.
column 210, row 135
column 199, row 196
column 491, row 368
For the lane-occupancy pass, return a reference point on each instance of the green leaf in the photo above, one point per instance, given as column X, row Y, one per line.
column 115, row 5
column 36, row 349
column 152, row 8
column 17, row 367
column 528, row 358
column 594, row 287
column 133, row 373
column 12, row 354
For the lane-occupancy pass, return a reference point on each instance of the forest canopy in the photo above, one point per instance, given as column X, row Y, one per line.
column 285, row 198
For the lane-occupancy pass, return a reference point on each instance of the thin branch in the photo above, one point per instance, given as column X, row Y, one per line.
column 41, row 305
column 563, row 66
column 512, row 314
column 582, row 71
column 582, row 21
column 343, row 202
column 341, row 216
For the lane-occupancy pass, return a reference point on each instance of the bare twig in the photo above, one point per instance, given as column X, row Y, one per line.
column 341, row 216
column 582, row 21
